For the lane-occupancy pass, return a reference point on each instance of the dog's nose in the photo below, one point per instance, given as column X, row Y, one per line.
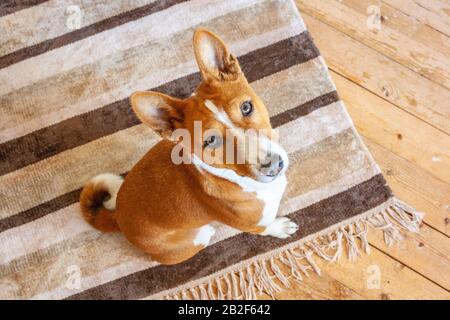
column 272, row 165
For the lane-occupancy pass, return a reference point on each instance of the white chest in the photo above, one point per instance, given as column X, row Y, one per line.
column 270, row 193
column 271, row 198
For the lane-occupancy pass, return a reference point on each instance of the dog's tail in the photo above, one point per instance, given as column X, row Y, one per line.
column 98, row 201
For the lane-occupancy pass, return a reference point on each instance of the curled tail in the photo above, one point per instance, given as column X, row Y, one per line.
column 98, row 201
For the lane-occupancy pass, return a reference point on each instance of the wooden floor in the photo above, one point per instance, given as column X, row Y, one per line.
column 395, row 81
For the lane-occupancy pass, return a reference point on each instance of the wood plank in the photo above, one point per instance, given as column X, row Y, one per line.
column 427, row 252
column 347, row 279
column 416, row 46
column 396, row 130
column 381, row 75
column 433, row 13
column 315, row 287
column 415, row 186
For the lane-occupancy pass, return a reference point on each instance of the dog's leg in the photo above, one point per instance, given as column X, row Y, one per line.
column 281, row 227
column 204, row 235
column 182, row 245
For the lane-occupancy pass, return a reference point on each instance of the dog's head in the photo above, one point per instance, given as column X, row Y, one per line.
column 224, row 123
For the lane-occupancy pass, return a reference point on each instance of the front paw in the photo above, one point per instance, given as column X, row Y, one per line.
column 281, row 228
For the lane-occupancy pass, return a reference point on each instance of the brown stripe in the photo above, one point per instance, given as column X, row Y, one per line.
column 214, row 258
column 41, row 210
column 11, row 6
column 118, row 115
column 82, row 33
column 302, row 110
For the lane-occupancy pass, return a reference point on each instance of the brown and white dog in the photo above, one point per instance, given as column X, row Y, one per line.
column 165, row 207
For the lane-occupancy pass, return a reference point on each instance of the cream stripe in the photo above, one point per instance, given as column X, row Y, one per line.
column 326, row 161
column 332, row 188
column 132, row 34
column 41, row 233
column 55, row 107
column 52, row 18
column 104, row 276
column 66, row 174
column 314, row 127
column 295, row 86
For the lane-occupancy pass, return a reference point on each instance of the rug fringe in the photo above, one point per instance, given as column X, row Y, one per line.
column 266, row 277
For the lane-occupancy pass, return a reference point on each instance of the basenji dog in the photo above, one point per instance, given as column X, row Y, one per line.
column 167, row 207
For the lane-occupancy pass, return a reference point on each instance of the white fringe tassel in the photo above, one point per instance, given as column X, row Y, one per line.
column 266, row 277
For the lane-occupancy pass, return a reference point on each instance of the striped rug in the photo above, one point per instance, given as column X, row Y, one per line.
column 67, row 69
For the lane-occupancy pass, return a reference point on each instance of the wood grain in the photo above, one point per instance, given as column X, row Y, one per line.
column 415, row 186
column 396, row 130
column 382, row 76
column 431, row 253
column 433, row 13
column 414, row 45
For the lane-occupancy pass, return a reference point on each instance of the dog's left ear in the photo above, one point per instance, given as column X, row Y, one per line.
column 213, row 58
column 160, row 112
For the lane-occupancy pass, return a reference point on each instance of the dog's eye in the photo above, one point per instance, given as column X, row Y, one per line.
column 247, row 108
column 212, row 142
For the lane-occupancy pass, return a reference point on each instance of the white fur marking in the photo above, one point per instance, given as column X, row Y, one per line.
column 269, row 192
column 211, row 106
column 204, row 235
column 220, row 115
column 246, row 183
column 112, row 183
column 271, row 198
column 281, row 228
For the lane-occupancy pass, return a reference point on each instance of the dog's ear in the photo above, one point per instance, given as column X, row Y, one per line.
column 213, row 58
column 160, row 112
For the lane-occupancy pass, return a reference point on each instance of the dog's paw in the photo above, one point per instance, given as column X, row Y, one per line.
column 281, row 228
column 204, row 235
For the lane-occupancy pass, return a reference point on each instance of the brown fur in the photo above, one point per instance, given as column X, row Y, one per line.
column 160, row 205
column 91, row 202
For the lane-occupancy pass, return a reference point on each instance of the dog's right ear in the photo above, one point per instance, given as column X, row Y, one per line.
column 160, row 112
column 213, row 57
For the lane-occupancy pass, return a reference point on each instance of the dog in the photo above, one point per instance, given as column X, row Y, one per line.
column 167, row 208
